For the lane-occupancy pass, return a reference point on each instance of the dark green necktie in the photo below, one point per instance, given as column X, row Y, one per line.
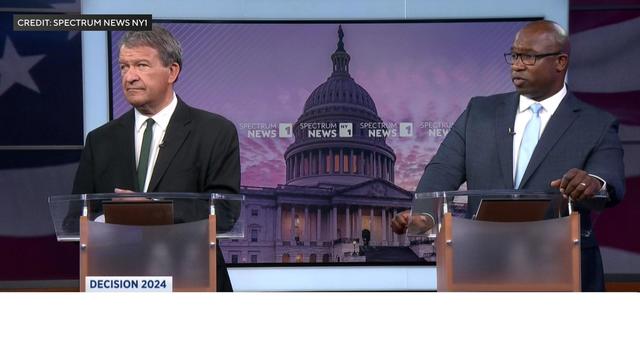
column 145, row 149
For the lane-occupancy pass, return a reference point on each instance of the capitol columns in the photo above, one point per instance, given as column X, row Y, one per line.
column 351, row 162
column 331, row 162
column 305, row 163
column 371, row 223
column 318, row 224
column 387, row 174
column 393, row 173
column 373, row 164
column 383, row 164
column 383, row 217
column 360, row 224
column 279, row 223
column 334, row 222
column 306, row 225
column 301, row 163
column 348, row 222
column 395, row 236
column 293, row 223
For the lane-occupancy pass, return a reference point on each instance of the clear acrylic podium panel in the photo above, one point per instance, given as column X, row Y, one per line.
column 533, row 246
column 178, row 247
column 187, row 207
column 515, row 253
column 180, row 251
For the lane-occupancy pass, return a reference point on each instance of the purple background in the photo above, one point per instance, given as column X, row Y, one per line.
column 263, row 73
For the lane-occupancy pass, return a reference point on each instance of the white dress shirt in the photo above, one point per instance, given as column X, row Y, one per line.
column 524, row 113
column 159, row 128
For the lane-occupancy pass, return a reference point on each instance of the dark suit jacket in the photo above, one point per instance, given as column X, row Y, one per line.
column 200, row 153
column 479, row 150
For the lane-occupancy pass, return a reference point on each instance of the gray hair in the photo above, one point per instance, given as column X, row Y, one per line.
column 158, row 38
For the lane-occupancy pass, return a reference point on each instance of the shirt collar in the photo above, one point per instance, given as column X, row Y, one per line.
column 549, row 104
column 161, row 118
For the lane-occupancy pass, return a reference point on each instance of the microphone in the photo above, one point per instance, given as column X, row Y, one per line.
column 511, row 132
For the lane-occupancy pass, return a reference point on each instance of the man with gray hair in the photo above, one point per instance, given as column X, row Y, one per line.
column 161, row 144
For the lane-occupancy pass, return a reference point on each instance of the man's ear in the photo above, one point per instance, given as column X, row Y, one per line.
column 174, row 71
column 562, row 62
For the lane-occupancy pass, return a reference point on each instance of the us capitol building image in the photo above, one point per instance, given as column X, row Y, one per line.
column 339, row 197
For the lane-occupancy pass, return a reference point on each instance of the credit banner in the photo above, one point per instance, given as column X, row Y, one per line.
column 65, row 22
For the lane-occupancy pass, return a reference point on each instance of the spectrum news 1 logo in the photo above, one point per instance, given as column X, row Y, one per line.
column 329, row 130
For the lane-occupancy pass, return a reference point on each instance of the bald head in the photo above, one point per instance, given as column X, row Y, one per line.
column 552, row 31
column 545, row 44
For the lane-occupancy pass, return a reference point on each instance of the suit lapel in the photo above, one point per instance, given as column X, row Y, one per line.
column 505, row 119
column 177, row 132
column 561, row 120
column 127, row 146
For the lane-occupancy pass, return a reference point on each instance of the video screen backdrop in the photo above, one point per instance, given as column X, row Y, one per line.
column 336, row 122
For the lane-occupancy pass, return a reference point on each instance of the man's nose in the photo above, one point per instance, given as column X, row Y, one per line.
column 518, row 65
column 130, row 75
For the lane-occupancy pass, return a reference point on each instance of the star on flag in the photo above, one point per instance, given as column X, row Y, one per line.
column 14, row 68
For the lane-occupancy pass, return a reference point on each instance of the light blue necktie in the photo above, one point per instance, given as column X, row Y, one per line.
column 528, row 144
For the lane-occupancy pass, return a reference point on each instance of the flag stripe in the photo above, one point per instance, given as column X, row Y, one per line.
column 38, row 258
column 605, row 59
column 617, row 227
column 591, row 19
column 616, row 103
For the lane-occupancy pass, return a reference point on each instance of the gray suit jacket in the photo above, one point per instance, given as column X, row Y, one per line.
column 479, row 150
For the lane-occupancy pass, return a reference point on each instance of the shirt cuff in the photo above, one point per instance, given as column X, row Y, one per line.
column 604, row 183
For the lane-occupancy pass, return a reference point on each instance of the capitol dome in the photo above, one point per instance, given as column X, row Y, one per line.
column 333, row 142
column 340, row 89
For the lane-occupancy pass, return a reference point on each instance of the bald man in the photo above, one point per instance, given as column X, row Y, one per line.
column 569, row 146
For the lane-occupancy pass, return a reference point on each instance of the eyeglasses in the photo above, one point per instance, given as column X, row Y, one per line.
column 527, row 59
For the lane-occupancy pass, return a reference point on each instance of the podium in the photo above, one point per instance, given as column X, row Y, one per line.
column 500, row 240
column 159, row 238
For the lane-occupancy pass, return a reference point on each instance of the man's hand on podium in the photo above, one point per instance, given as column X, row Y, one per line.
column 415, row 224
column 125, row 191
column 578, row 185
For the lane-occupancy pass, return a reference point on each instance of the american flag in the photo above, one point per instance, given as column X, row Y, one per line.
column 42, row 132
column 604, row 72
